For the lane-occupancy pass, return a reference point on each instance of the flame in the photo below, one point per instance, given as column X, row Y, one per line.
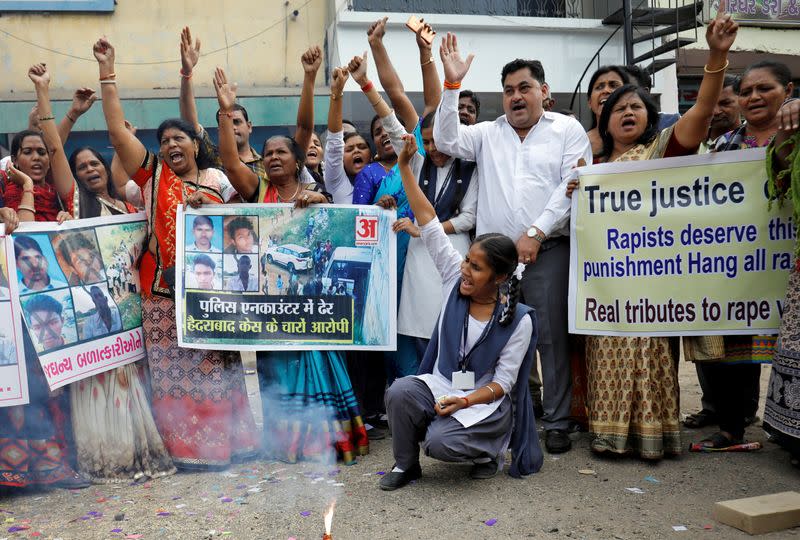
column 328, row 516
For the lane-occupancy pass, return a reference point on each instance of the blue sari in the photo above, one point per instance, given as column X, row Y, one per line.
column 309, row 407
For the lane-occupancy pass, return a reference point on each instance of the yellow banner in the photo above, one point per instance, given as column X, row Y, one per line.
column 678, row 246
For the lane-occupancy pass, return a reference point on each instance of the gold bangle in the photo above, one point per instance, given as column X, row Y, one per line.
column 429, row 61
column 46, row 118
column 376, row 102
column 73, row 120
column 712, row 71
column 494, row 396
column 335, row 97
column 108, row 81
column 26, row 207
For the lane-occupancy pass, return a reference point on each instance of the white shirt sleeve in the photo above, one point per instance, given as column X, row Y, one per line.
column 451, row 137
column 336, row 181
column 396, row 131
column 445, row 257
column 512, row 355
column 468, row 209
column 576, row 146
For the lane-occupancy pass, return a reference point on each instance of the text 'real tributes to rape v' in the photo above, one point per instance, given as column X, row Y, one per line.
column 275, row 277
column 679, row 246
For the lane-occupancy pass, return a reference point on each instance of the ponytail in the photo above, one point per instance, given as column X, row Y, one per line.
column 512, row 299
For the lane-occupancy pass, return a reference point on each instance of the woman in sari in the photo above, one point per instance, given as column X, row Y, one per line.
column 199, row 399
column 782, row 411
column 115, row 435
column 734, row 380
column 632, row 382
column 307, row 398
column 604, row 81
column 38, row 186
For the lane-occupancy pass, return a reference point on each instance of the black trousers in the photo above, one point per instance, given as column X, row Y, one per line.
column 731, row 386
column 368, row 376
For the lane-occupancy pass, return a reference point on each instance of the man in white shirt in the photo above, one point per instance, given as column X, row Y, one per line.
column 203, row 233
column 524, row 158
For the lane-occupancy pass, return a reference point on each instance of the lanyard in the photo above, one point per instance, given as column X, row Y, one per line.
column 445, row 184
column 465, row 355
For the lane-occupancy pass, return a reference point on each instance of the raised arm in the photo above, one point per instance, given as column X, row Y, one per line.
column 130, row 150
column 358, row 68
column 82, row 101
column 62, row 175
column 692, row 128
column 190, row 54
column 118, row 174
column 431, row 85
column 243, row 179
column 390, row 81
column 311, row 61
column 420, row 205
column 451, row 137
column 336, row 181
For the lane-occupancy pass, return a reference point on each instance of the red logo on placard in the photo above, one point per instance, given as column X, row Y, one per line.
column 366, row 230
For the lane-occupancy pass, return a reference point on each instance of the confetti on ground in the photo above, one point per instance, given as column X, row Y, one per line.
column 226, row 499
column 679, row 528
column 179, row 506
column 380, row 473
column 133, row 536
column 490, row 522
column 635, row 490
column 305, row 513
column 338, row 484
column 587, row 471
column 708, row 527
column 254, row 490
column 17, row 528
column 652, row 479
column 116, row 530
column 164, row 514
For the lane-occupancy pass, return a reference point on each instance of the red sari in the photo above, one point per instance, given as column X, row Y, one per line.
column 199, row 398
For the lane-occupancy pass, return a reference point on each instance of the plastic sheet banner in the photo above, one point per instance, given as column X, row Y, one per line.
column 272, row 277
column 679, row 246
column 13, row 374
column 77, row 287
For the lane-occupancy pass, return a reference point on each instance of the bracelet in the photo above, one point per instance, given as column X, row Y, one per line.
column 367, row 87
column 452, row 86
column 494, row 396
column 26, row 207
column 108, row 81
column 466, row 400
column 228, row 114
column 73, row 120
column 712, row 71
column 46, row 118
column 109, row 76
column 184, row 75
column 376, row 102
column 335, row 97
column 27, row 190
column 429, row 61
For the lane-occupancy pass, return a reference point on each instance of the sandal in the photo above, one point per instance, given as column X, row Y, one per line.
column 719, row 440
column 700, row 419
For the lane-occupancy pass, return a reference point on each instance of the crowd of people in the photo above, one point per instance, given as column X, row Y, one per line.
column 482, row 275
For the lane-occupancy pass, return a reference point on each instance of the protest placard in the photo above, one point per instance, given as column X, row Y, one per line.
column 79, row 293
column 13, row 373
column 678, row 246
column 273, row 277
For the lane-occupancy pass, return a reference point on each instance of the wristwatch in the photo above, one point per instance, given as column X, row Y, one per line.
column 534, row 233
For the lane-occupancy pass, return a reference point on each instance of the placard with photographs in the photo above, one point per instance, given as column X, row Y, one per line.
column 79, row 293
column 274, row 277
column 13, row 372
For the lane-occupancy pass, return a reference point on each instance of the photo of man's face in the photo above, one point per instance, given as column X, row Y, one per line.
column 33, row 266
column 204, row 276
column 243, row 240
column 203, row 233
column 47, row 326
column 87, row 265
